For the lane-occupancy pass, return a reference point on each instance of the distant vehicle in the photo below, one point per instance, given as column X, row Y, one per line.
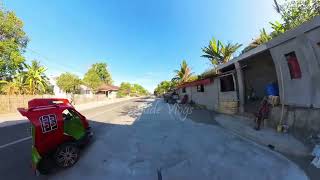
column 171, row 97
column 58, row 132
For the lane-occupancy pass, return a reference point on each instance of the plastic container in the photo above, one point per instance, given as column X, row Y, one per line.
column 272, row 89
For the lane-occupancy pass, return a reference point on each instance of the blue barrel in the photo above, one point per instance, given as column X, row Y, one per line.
column 272, row 89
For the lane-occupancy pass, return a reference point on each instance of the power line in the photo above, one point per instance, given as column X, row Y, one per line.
column 52, row 63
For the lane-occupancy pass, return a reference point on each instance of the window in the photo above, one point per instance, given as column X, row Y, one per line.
column 293, row 64
column 72, row 124
column 87, row 92
column 184, row 90
column 200, row 88
column 227, row 83
column 69, row 115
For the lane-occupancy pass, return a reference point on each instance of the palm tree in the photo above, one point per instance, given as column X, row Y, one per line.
column 228, row 50
column 278, row 29
column 263, row 38
column 183, row 74
column 213, row 51
column 9, row 88
column 20, row 82
column 218, row 53
column 35, row 78
column 16, row 86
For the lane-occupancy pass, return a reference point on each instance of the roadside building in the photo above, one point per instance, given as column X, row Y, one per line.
column 289, row 63
column 109, row 90
column 200, row 92
column 83, row 90
column 292, row 61
column 215, row 93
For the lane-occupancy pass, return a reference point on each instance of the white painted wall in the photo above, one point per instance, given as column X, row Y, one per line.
column 208, row 98
column 112, row 95
column 56, row 90
column 84, row 90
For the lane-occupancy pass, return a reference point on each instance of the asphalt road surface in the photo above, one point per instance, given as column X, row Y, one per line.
column 15, row 141
column 144, row 139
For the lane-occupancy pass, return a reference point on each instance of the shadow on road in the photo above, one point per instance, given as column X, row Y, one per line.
column 16, row 158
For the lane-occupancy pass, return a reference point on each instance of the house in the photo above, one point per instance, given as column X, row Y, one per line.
column 291, row 60
column 83, row 90
column 213, row 92
column 202, row 92
column 109, row 90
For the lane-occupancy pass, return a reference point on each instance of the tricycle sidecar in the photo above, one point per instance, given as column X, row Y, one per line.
column 58, row 130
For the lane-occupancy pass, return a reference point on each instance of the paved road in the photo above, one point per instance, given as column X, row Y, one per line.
column 159, row 144
column 15, row 158
column 162, row 144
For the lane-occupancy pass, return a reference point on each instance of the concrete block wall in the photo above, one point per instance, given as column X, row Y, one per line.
column 188, row 93
column 212, row 98
column 302, row 121
column 208, row 98
column 259, row 72
column 304, row 92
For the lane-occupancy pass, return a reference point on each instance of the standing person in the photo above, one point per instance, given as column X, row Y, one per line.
column 262, row 114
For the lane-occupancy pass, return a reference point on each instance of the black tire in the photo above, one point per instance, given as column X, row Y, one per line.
column 45, row 166
column 67, row 155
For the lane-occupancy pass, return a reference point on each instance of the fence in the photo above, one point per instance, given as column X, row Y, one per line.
column 9, row 104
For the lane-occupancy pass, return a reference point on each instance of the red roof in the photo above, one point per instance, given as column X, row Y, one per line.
column 196, row 83
column 106, row 87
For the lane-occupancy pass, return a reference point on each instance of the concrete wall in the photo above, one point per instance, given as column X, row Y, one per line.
column 10, row 104
column 188, row 92
column 313, row 39
column 211, row 97
column 302, row 121
column 227, row 96
column 304, row 92
column 259, row 72
column 112, row 94
column 85, row 91
column 208, row 98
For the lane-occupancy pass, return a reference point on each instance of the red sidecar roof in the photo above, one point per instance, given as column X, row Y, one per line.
column 43, row 104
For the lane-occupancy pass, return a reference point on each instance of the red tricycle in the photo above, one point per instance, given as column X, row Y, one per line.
column 58, row 132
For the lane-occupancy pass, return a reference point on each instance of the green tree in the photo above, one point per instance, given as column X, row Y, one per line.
column 183, row 74
column 97, row 75
column 164, row 87
column 17, row 86
column 218, row 53
column 13, row 41
column 124, row 89
column 278, row 29
column 69, row 83
column 103, row 73
column 127, row 89
column 10, row 88
column 213, row 51
column 264, row 37
column 36, row 80
column 92, row 80
column 138, row 90
column 295, row 12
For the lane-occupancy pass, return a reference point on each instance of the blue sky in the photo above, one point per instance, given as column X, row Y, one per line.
column 142, row 41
